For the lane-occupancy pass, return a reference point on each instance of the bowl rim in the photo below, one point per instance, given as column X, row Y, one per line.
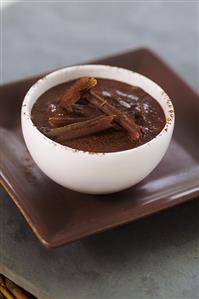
column 26, row 114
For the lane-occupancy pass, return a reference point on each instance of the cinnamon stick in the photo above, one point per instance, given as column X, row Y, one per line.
column 59, row 121
column 81, row 129
column 120, row 117
column 73, row 94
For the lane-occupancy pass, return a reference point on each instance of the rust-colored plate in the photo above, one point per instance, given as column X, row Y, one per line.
column 58, row 215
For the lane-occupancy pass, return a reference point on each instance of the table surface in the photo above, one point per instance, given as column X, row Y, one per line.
column 153, row 258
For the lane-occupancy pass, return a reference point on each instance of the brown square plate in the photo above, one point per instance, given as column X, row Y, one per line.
column 58, row 215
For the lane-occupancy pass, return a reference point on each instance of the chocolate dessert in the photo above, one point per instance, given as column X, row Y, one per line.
column 98, row 115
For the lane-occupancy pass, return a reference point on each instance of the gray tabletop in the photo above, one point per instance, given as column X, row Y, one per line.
column 151, row 259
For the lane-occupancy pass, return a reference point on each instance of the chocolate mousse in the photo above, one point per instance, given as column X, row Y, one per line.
column 98, row 115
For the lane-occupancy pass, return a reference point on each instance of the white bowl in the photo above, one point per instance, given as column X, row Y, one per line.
column 95, row 173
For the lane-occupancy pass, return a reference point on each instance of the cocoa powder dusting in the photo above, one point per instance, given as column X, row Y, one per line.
column 127, row 107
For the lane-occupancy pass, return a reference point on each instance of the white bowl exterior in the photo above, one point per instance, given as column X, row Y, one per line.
column 92, row 172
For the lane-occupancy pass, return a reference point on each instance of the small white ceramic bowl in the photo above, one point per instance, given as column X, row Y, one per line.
column 95, row 173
